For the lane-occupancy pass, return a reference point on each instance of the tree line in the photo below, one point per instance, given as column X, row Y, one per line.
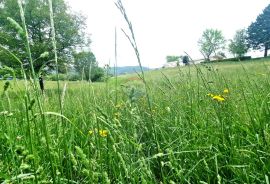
column 73, row 43
column 256, row 36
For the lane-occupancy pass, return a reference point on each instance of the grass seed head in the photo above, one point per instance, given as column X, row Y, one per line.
column 6, row 86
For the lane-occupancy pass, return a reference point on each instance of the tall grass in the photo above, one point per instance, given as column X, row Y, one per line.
column 200, row 139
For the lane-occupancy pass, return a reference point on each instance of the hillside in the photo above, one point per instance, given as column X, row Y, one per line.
column 127, row 69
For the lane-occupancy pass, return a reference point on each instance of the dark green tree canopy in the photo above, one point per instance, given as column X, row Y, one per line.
column 69, row 27
column 259, row 31
column 86, row 65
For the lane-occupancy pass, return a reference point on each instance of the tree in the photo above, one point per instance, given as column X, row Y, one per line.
column 259, row 31
column 172, row 58
column 185, row 60
column 86, row 65
column 238, row 45
column 211, row 42
column 69, row 27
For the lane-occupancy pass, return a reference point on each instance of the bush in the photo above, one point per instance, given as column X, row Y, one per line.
column 74, row 77
column 53, row 77
column 243, row 58
column 97, row 77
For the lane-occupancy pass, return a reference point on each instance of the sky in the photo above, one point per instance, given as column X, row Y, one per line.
column 162, row 27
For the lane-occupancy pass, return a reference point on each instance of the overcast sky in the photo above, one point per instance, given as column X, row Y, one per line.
column 162, row 27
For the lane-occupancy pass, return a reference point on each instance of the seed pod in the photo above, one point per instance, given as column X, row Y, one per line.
column 31, row 104
column 7, row 84
column 17, row 26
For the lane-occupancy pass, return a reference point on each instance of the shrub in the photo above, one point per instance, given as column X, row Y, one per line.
column 243, row 58
column 53, row 77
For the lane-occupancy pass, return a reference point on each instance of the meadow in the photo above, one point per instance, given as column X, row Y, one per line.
column 207, row 123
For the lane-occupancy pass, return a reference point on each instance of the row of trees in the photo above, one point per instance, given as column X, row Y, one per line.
column 213, row 42
column 257, row 36
column 72, row 40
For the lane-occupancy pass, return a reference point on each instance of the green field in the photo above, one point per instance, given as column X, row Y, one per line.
column 195, row 124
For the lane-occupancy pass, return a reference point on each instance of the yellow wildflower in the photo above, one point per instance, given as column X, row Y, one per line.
column 218, row 98
column 211, row 95
column 103, row 133
column 90, row 132
column 226, row 90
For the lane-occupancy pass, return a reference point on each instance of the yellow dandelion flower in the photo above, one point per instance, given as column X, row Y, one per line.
column 90, row 132
column 218, row 98
column 211, row 95
column 103, row 133
column 226, row 90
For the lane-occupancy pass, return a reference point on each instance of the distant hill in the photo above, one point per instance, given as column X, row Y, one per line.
column 128, row 69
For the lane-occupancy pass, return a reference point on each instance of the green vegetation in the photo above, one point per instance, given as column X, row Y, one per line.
column 211, row 42
column 86, row 65
column 205, row 123
column 71, row 38
column 172, row 58
column 126, row 70
column 238, row 45
column 257, row 36
column 195, row 137
column 259, row 31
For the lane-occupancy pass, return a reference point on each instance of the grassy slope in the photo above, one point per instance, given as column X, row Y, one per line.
column 185, row 136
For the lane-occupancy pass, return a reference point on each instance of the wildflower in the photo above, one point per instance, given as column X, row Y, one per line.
column 103, row 133
column 210, row 94
column 90, row 132
column 218, row 98
column 226, row 90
